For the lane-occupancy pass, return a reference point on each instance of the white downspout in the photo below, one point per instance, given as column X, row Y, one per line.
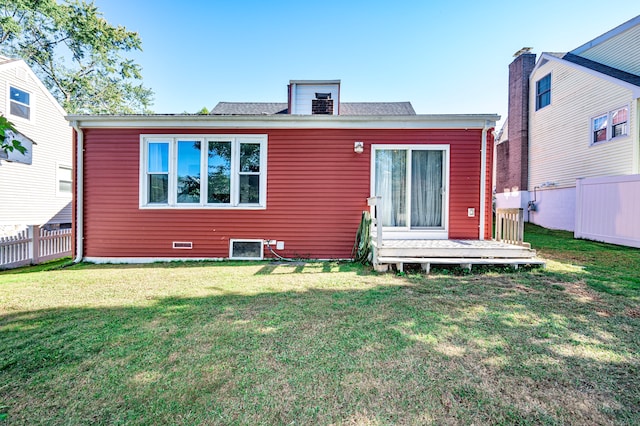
column 79, row 192
column 483, row 179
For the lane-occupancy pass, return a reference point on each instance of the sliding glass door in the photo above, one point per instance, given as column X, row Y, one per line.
column 412, row 182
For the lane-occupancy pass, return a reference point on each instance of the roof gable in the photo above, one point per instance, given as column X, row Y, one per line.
column 607, row 36
column 605, row 72
column 9, row 63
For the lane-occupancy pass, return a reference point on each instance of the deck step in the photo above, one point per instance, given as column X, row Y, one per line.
column 383, row 262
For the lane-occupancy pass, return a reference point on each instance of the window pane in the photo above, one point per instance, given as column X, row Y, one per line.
column 619, row 116
column 219, row 173
column 64, row 186
column 600, row 123
column 64, row 173
column 158, row 157
column 247, row 249
column 426, row 188
column 249, row 157
column 19, row 96
column 188, row 172
column 543, row 91
column 619, row 130
column 544, row 83
column 19, row 110
column 158, row 189
column 249, row 189
column 391, row 185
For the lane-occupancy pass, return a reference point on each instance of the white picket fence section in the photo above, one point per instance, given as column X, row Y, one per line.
column 34, row 245
column 510, row 226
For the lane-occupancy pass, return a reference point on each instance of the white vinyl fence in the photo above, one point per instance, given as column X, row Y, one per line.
column 34, row 245
column 608, row 209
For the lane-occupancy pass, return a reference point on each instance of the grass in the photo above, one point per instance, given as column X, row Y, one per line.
column 325, row 343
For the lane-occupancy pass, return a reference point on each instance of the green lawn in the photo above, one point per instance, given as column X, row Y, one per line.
column 325, row 343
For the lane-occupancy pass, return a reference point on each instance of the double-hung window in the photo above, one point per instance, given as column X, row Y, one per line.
column 203, row 171
column 19, row 103
column 610, row 125
column 543, row 92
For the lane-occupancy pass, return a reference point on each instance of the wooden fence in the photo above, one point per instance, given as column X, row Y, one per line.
column 510, row 226
column 34, row 245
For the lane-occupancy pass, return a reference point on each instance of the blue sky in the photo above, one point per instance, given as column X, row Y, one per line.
column 444, row 57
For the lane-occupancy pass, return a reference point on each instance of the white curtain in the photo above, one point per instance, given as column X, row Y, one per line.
column 391, row 185
column 426, row 188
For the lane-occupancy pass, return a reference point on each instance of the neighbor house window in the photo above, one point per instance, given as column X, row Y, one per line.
column 209, row 171
column 609, row 126
column 543, row 92
column 65, row 180
column 19, row 103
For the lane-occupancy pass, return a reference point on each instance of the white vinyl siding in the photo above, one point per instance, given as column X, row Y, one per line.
column 560, row 134
column 619, row 52
column 303, row 94
column 30, row 191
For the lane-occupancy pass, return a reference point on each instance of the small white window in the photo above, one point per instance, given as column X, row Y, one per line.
column 610, row 126
column 19, row 103
column 65, row 180
column 246, row 249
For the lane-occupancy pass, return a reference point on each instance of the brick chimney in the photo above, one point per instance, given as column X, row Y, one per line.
column 512, row 156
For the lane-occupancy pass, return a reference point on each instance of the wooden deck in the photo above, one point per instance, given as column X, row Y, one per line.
column 461, row 252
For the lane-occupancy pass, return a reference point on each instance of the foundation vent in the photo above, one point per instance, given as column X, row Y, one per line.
column 184, row 245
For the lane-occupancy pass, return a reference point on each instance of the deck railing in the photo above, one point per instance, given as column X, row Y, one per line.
column 34, row 245
column 510, row 226
column 375, row 203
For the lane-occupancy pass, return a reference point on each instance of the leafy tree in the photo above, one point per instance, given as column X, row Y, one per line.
column 7, row 146
column 76, row 53
column 203, row 111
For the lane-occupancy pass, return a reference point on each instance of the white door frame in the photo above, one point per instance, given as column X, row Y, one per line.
column 406, row 232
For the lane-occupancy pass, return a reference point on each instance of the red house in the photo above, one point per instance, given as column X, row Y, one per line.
column 292, row 177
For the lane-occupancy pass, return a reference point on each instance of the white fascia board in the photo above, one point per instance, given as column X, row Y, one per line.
column 22, row 64
column 432, row 121
column 635, row 90
column 314, row 81
column 608, row 35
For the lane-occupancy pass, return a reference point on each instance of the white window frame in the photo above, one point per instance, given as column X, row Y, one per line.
column 32, row 104
column 609, row 129
column 401, row 232
column 59, row 178
column 535, row 88
column 237, row 240
column 204, row 139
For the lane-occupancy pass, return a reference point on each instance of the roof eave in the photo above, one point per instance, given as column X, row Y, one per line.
column 426, row 121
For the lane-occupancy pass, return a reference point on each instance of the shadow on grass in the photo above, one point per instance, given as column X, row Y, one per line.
column 512, row 350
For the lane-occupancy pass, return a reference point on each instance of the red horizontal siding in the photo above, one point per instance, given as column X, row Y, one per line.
column 316, row 191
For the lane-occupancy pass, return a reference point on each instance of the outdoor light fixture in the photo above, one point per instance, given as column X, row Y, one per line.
column 358, row 147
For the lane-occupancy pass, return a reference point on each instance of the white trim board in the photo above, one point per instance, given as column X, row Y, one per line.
column 445, row 121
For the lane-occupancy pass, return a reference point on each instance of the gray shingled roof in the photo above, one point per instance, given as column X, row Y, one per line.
column 249, row 108
column 346, row 108
column 604, row 69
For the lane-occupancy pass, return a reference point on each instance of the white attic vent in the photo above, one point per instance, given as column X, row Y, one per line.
column 21, row 74
column 183, row 245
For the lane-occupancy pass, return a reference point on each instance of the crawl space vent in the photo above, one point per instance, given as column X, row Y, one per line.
column 182, row 245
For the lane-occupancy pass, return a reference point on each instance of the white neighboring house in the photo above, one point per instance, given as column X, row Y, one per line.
column 576, row 119
column 35, row 188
